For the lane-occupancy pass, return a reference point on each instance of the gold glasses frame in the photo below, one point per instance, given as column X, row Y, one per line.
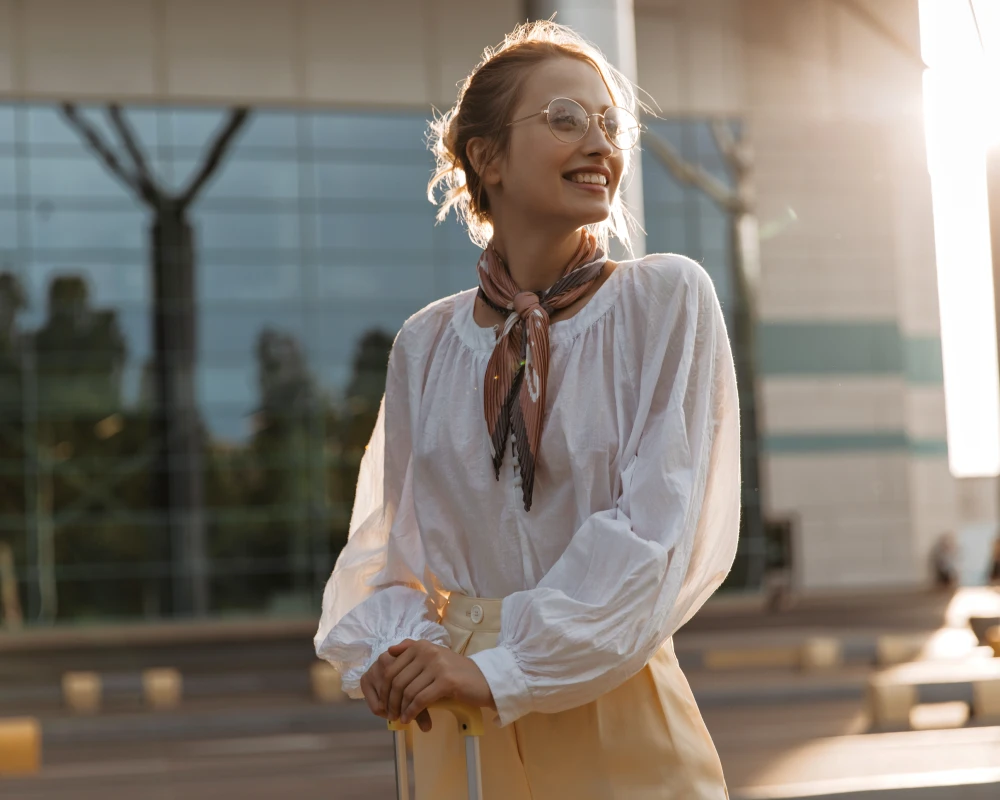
column 548, row 109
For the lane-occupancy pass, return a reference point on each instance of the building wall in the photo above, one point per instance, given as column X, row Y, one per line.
column 835, row 111
column 376, row 53
column 851, row 396
column 851, row 391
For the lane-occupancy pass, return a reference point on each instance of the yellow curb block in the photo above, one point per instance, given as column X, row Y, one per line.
column 890, row 704
column 326, row 683
column 82, row 691
column 898, row 649
column 993, row 639
column 162, row 688
column 20, row 746
column 986, row 701
column 822, row 652
column 751, row 658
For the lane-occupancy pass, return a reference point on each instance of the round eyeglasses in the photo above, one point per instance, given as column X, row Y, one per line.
column 569, row 122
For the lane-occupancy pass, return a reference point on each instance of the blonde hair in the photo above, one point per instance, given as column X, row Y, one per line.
column 486, row 101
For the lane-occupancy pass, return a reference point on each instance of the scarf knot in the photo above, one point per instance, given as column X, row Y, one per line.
column 525, row 303
column 517, row 372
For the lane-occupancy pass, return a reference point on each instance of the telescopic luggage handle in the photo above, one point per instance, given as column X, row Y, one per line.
column 470, row 727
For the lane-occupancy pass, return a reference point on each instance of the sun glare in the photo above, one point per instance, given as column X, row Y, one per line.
column 961, row 123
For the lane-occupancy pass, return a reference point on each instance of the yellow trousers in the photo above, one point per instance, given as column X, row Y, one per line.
column 644, row 740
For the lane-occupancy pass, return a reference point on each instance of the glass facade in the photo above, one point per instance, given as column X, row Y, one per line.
column 190, row 367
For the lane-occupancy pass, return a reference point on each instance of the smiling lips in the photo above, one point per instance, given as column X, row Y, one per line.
column 589, row 177
column 589, row 180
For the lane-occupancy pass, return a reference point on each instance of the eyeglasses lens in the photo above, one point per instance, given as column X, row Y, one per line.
column 569, row 122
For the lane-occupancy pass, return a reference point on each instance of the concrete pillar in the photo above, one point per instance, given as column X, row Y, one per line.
column 609, row 24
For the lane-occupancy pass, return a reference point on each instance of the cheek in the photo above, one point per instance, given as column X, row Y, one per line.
column 535, row 171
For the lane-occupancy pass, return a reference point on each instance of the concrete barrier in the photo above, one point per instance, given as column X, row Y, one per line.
column 811, row 652
column 325, row 681
column 986, row 701
column 162, row 688
column 82, row 691
column 20, row 746
column 894, row 692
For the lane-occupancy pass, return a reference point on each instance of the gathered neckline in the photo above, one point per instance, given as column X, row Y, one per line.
column 476, row 337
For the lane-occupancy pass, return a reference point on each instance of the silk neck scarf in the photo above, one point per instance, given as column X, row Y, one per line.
column 517, row 373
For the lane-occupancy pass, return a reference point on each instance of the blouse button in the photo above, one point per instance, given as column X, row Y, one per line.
column 476, row 613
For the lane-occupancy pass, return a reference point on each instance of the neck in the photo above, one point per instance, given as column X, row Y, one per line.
column 535, row 258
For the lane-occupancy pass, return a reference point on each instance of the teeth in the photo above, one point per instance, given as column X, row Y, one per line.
column 589, row 177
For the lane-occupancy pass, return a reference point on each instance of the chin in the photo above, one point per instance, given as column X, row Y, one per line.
column 579, row 220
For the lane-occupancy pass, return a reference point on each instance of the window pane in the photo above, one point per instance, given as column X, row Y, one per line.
column 246, row 180
column 397, row 230
column 8, row 178
column 242, row 231
column 196, row 128
column 57, row 228
column 370, row 180
column 369, row 131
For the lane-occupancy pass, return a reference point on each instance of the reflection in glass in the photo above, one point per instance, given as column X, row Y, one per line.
column 188, row 383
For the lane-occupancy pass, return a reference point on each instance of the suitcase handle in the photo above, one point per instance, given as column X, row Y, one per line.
column 470, row 719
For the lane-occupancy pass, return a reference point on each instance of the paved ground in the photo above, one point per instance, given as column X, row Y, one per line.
column 779, row 733
column 763, row 748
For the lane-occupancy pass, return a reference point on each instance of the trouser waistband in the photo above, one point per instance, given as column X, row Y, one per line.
column 475, row 614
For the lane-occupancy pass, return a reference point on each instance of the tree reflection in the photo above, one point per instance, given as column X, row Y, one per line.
column 120, row 505
column 178, row 490
column 12, row 462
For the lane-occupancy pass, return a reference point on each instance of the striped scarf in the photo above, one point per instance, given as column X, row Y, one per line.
column 517, row 373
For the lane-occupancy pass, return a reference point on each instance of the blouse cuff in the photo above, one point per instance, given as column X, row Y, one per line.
column 351, row 670
column 507, row 683
column 356, row 641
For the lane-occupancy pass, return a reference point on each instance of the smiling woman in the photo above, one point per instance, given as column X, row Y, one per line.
column 552, row 487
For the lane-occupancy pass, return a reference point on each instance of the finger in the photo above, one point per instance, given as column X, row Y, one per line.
column 371, row 697
column 382, row 663
column 415, row 687
column 390, row 673
column 394, row 704
column 424, row 720
column 424, row 698
column 400, row 647
column 374, row 678
column 398, row 664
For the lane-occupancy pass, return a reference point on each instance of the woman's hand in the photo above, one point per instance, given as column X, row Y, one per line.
column 371, row 685
column 416, row 674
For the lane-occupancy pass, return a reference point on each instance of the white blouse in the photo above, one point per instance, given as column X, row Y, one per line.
column 636, row 501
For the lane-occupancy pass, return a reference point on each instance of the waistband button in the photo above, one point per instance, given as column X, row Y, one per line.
column 476, row 613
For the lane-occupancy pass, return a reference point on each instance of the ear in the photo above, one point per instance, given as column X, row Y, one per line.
column 475, row 151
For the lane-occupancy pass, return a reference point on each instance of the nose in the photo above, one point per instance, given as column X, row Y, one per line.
column 596, row 141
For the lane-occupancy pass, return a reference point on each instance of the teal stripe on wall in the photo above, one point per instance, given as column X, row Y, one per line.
column 853, row 442
column 862, row 348
column 923, row 360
